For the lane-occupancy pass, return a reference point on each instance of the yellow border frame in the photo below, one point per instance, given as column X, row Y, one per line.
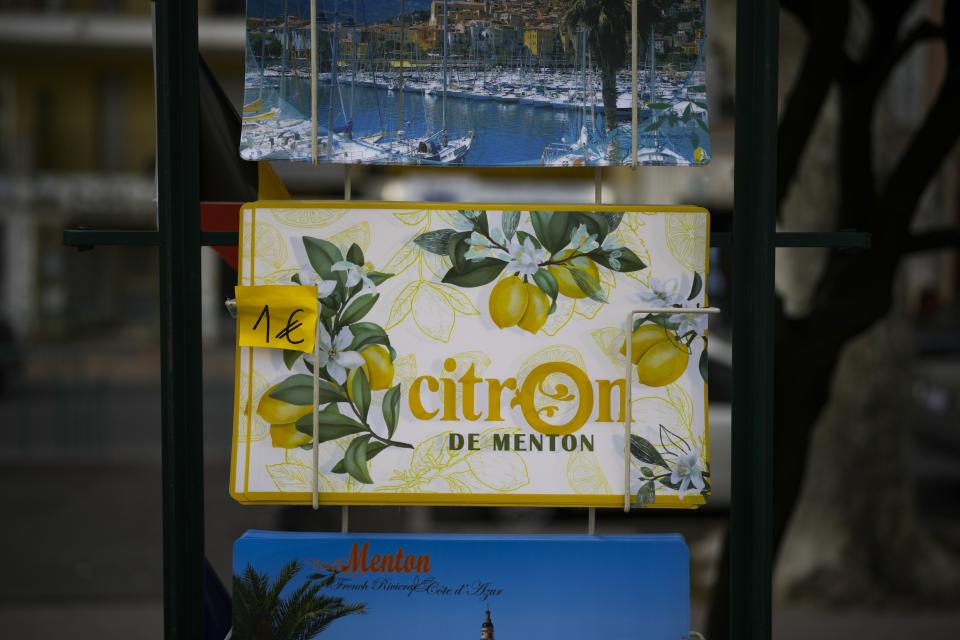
column 443, row 499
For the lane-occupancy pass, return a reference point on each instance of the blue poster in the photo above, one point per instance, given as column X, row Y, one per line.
column 568, row 587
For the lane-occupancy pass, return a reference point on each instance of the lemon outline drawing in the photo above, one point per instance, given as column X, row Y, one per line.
column 686, row 235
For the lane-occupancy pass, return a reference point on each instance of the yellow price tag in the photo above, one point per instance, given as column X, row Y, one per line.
column 277, row 316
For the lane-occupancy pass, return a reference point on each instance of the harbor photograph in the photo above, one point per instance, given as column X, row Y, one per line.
column 489, row 83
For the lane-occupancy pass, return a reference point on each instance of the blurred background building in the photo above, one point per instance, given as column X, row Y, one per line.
column 79, row 361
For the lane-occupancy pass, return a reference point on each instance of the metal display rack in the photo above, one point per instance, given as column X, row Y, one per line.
column 179, row 239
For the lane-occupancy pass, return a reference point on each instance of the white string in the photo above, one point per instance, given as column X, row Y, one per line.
column 628, row 411
column 633, row 83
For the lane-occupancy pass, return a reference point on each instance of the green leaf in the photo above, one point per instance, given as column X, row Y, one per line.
column 697, row 286
column 509, row 222
column 547, row 283
column 659, row 106
column 359, row 308
column 296, row 389
column 613, row 219
column 647, row 493
column 541, row 223
column 435, row 241
column 331, row 425
column 378, row 277
column 355, row 459
column 290, row 357
column 644, row 451
column 697, row 88
column 694, row 139
column 703, row 364
column 559, row 229
column 647, row 472
column 522, row 238
column 627, row 260
column 456, row 250
column 587, row 284
column 322, row 255
column 483, row 272
column 295, row 278
column 653, row 126
column 702, row 124
column 355, row 255
column 360, row 390
column 480, row 223
column 372, row 450
column 366, row 334
column 391, row 409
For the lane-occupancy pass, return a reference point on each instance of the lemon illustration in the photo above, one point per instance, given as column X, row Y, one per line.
column 286, row 436
column 538, row 304
column 567, row 285
column 686, row 235
column 662, row 363
column 270, row 247
column 645, row 336
column 508, row 301
column 278, row 412
column 378, row 367
column 699, row 155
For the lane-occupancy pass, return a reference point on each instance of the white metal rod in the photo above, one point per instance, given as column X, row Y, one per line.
column 633, row 83
column 313, row 82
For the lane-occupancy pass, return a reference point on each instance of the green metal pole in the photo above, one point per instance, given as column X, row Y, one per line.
column 755, row 185
column 178, row 219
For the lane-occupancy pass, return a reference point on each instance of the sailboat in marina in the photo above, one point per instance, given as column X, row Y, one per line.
column 583, row 151
column 433, row 148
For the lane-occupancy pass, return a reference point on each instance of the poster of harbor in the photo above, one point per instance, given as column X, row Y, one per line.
column 476, row 83
column 466, row 587
column 474, row 354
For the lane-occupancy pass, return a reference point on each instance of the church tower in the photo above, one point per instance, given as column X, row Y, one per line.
column 486, row 629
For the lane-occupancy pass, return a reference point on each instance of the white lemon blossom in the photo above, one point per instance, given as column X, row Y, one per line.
column 688, row 472
column 696, row 322
column 524, row 258
column 333, row 353
column 324, row 287
column 612, row 245
column 581, row 241
column 666, row 293
column 355, row 275
column 481, row 248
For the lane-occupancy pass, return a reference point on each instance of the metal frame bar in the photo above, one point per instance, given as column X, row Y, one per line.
column 754, row 233
column 178, row 237
column 89, row 238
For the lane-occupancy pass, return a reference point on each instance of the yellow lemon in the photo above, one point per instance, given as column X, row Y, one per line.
column 278, row 412
column 567, row 285
column 645, row 336
column 378, row 367
column 699, row 155
column 508, row 301
column 538, row 305
column 286, row 436
column 663, row 363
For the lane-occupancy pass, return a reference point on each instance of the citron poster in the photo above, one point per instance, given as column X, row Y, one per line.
column 297, row 585
column 475, row 354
